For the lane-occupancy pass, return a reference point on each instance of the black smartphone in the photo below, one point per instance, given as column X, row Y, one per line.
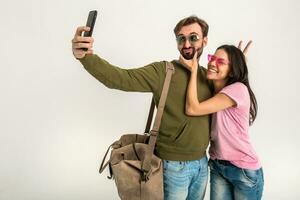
column 90, row 23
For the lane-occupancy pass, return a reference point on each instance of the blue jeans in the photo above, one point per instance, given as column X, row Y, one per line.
column 228, row 182
column 185, row 179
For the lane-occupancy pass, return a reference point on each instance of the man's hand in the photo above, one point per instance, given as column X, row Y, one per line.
column 192, row 64
column 245, row 50
column 79, row 42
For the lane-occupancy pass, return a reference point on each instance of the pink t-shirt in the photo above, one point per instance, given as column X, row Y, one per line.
column 229, row 135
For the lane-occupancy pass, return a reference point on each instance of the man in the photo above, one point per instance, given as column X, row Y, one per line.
column 182, row 140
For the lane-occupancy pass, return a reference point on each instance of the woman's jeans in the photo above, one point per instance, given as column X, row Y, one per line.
column 228, row 182
column 185, row 179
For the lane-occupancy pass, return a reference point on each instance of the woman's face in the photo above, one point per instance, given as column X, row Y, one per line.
column 218, row 66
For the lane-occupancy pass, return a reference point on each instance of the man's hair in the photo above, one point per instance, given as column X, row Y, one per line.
column 191, row 20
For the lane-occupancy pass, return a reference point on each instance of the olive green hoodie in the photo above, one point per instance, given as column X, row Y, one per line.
column 181, row 137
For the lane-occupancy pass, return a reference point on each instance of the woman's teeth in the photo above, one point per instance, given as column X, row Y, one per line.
column 213, row 70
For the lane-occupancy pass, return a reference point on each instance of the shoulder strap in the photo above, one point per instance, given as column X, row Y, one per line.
column 161, row 104
column 150, row 116
column 146, row 165
column 169, row 67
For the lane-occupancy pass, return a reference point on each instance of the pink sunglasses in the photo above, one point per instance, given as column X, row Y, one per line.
column 219, row 61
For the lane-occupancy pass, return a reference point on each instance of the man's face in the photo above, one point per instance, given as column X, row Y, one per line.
column 189, row 40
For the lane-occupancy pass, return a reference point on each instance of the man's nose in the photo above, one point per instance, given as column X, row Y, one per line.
column 186, row 44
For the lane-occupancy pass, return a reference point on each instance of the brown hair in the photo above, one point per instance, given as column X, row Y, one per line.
column 191, row 20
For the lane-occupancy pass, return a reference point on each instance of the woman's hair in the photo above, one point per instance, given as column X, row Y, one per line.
column 239, row 73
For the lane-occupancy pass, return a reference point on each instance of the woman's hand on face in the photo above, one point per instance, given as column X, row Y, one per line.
column 191, row 65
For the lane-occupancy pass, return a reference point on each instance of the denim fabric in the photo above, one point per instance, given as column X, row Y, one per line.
column 228, row 182
column 185, row 179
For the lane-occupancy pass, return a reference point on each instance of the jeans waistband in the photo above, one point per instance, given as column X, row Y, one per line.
column 223, row 162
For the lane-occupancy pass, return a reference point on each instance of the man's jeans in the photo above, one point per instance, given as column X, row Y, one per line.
column 185, row 179
column 228, row 182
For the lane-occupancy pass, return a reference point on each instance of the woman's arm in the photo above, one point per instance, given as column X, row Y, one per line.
column 214, row 104
column 192, row 106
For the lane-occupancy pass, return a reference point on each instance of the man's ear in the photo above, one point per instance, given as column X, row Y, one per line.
column 205, row 39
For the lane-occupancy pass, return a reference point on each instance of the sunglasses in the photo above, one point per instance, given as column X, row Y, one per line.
column 193, row 38
column 219, row 61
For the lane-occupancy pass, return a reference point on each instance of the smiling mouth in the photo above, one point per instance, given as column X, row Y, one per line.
column 213, row 70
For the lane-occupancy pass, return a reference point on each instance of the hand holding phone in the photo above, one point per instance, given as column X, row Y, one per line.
column 90, row 23
column 82, row 39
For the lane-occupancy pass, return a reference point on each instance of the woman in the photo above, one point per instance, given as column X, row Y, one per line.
column 235, row 169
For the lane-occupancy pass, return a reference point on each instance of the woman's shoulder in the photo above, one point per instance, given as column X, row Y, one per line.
column 237, row 91
column 236, row 86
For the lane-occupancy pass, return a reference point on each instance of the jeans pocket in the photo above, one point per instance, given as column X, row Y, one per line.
column 173, row 166
column 251, row 175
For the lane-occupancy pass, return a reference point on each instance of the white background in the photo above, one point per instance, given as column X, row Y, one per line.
column 56, row 120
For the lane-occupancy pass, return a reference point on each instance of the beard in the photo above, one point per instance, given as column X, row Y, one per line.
column 190, row 55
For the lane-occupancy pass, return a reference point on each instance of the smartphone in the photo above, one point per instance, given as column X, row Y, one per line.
column 90, row 23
